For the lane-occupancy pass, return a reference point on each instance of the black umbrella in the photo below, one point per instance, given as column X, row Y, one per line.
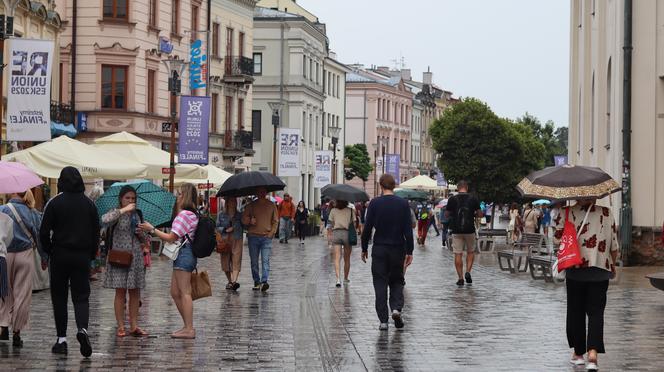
column 246, row 183
column 568, row 182
column 344, row 192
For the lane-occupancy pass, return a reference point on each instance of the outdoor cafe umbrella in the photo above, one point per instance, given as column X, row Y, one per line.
column 155, row 203
column 246, row 183
column 420, row 182
column 344, row 192
column 16, row 177
column 411, row 194
column 542, row 202
column 568, row 182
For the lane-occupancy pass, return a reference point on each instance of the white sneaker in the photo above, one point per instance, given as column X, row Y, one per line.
column 591, row 366
column 577, row 361
column 346, row 281
column 382, row 327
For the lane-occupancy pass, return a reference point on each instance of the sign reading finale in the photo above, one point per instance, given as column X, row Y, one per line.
column 193, row 129
column 29, row 90
column 323, row 172
column 289, row 152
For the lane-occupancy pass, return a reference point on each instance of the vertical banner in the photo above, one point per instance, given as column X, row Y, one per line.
column 392, row 165
column 560, row 159
column 323, row 172
column 198, row 61
column 29, row 90
column 193, row 129
column 440, row 178
column 289, row 152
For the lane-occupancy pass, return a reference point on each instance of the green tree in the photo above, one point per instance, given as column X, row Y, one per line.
column 554, row 140
column 360, row 163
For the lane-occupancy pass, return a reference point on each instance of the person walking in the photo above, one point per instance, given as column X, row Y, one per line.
column 433, row 221
column 261, row 218
column 341, row 218
column 69, row 235
column 530, row 217
column 15, row 310
column 392, row 250
column 286, row 215
column 546, row 221
column 462, row 209
column 301, row 219
column 587, row 284
column 444, row 223
column 422, row 223
column 229, row 225
column 6, row 237
column 514, row 227
column 183, row 229
column 124, row 235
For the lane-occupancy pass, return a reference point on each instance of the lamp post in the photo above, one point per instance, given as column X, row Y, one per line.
column 334, row 133
column 175, row 67
column 375, row 148
column 6, row 31
column 276, row 121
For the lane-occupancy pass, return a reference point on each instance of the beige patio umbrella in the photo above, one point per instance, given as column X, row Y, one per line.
column 420, row 182
column 48, row 158
column 215, row 176
column 140, row 150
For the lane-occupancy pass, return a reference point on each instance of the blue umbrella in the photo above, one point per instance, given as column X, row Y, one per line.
column 155, row 202
column 541, row 201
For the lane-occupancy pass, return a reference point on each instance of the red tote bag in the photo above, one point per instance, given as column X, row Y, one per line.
column 569, row 254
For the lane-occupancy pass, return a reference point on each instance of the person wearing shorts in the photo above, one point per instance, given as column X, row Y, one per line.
column 341, row 218
column 460, row 207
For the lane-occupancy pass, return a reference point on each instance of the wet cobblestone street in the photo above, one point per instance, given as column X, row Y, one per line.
column 503, row 322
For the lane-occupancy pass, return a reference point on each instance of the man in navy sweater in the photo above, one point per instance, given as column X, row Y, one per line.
column 392, row 249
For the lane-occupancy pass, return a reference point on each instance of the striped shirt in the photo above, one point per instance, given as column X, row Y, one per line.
column 185, row 223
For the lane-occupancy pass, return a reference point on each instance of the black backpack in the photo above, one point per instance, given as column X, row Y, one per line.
column 204, row 239
column 465, row 218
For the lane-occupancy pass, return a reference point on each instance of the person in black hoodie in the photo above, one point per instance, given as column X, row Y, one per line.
column 69, row 235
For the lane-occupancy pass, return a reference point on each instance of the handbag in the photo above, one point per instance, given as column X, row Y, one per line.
column 118, row 258
column 40, row 278
column 352, row 234
column 224, row 246
column 200, row 285
column 569, row 254
column 171, row 250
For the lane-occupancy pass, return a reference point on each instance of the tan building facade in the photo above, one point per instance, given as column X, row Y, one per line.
column 596, row 108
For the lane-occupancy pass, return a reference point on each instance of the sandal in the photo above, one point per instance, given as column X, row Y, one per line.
column 137, row 332
column 121, row 332
column 229, row 285
column 183, row 336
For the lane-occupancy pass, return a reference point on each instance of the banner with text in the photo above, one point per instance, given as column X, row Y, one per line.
column 289, row 152
column 29, row 90
column 440, row 178
column 193, row 129
column 198, row 61
column 323, row 174
column 560, row 159
column 392, row 165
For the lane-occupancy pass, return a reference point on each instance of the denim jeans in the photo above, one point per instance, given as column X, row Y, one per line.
column 285, row 227
column 260, row 246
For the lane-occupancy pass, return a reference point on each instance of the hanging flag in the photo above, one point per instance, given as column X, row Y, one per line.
column 165, row 45
column 289, row 152
column 193, row 129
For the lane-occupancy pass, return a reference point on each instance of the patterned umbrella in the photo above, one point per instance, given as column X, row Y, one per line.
column 568, row 182
column 155, row 202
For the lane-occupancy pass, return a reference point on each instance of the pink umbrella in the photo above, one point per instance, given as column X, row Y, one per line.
column 16, row 177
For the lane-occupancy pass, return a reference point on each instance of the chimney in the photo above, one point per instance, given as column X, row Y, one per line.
column 427, row 77
column 405, row 74
column 384, row 69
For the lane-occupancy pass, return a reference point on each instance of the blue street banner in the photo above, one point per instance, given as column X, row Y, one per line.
column 559, row 160
column 440, row 178
column 392, row 165
column 198, row 61
column 165, row 45
column 193, row 129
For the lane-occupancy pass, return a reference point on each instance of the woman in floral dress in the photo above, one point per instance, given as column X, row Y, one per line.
column 122, row 224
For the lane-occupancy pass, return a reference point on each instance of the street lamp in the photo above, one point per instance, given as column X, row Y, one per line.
column 334, row 133
column 375, row 148
column 175, row 68
column 276, row 121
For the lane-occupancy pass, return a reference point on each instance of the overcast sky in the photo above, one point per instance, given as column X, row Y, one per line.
column 512, row 54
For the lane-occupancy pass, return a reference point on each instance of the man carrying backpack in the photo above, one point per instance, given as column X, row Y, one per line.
column 462, row 209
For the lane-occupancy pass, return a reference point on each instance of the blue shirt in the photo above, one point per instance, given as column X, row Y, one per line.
column 31, row 219
column 224, row 221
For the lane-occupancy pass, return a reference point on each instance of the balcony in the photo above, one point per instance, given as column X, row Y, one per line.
column 61, row 113
column 238, row 144
column 238, row 70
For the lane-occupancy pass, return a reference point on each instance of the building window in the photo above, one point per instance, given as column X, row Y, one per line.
column 329, row 83
column 608, row 107
column 194, row 22
column 175, row 17
column 592, row 115
column 338, row 83
column 317, row 74
column 228, row 124
column 240, row 114
column 304, row 66
column 62, row 82
column 213, row 114
column 311, row 69
column 256, row 124
column 114, row 87
column 151, row 91
column 153, row 15
column 215, row 40
column 240, row 44
column 258, row 63
column 229, row 49
column 116, row 9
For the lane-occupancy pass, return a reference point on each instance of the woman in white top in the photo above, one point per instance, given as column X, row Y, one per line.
column 340, row 219
column 514, row 228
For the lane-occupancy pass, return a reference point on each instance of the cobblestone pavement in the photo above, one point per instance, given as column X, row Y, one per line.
column 504, row 322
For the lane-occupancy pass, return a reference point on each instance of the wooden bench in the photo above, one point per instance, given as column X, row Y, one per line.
column 486, row 238
column 519, row 253
column 540, row 262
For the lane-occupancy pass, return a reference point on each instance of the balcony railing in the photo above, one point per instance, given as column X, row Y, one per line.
column 61, row 113
column 238, row 140
column 238, row 66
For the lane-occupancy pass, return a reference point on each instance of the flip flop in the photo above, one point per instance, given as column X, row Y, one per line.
column 138, row 332
column 121, row 332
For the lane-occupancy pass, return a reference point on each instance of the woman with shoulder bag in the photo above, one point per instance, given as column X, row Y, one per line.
column 301, row 217
column 341, row 218
column 229, row 226
column 125, row 268
column 182, row 230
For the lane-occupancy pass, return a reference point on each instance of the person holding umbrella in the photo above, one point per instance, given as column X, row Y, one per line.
column 229, row 225
column 261, row 218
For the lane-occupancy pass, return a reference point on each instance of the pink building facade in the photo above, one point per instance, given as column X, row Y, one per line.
column 378, row 114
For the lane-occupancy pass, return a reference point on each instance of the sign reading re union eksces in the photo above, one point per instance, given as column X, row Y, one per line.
column 323, row 171
column 289, row 152
column 29, row 90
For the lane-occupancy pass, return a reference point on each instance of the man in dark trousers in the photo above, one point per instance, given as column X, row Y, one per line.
column 70, row 236
column 392, row 249
column 462, row 209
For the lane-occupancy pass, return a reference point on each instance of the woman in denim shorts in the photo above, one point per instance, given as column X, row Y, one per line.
column 183, row 227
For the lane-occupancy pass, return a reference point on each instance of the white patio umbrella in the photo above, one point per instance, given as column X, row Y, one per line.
column 140, row 150
column 215, row 176
column 420, row 182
